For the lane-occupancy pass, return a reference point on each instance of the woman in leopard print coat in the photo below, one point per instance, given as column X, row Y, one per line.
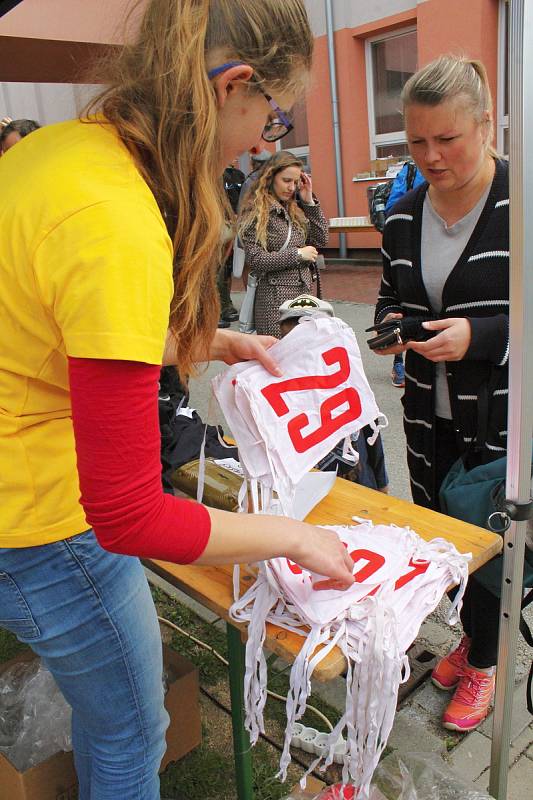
column 280, row 237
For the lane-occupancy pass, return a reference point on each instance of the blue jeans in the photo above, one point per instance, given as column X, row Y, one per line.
column 90, row 616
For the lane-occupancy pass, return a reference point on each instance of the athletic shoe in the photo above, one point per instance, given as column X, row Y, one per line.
column 223, row 323
column 471, row 701
column 446, row 673
column 398, row 374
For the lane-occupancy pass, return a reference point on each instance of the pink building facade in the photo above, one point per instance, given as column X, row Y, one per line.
column 378, row 45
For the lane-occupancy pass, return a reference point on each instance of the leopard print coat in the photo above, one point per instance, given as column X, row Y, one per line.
column 281, row 275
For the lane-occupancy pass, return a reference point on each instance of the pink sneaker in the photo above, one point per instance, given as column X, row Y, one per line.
column 446, row 673
column 471, row 701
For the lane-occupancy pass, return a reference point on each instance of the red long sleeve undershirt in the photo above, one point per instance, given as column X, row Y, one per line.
column 116, row 427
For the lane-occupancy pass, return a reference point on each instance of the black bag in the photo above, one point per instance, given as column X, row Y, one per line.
column 473, row 491
column 378, row 203
column 399, row 331
column 382, row 194
column 182, row 434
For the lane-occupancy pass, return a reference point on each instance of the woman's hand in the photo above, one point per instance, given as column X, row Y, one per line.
column 306, row 189
column 322, row 551
column 308, row 253
column 232, row 347
column 244, row 538
column 397, row 348
column 450, row 344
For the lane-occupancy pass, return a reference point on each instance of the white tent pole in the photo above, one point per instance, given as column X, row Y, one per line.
column 520, row 421
column 330, row 27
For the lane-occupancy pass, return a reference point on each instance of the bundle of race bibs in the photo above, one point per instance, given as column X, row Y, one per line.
column 284, row 426
column 398, row 580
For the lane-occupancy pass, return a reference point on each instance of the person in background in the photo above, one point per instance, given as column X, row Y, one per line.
column 408, row 178
column 13, row 130
column 233, row 180
column 257, row 162
column 108, row 271
column 370, row 470
column 446, row 257
column 280, row 236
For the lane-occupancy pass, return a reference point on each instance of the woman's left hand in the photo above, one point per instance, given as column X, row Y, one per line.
column 232, row 347
column 450, row 344
column 306, row 189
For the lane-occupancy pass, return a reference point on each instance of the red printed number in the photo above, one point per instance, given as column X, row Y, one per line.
column 273, row 394
column 374, row 562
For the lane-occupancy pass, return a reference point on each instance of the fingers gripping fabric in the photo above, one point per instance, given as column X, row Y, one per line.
column 398, row 580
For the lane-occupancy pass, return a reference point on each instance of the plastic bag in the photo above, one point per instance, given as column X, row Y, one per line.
column 405, row 776
column 421, row 776
column 35, row 719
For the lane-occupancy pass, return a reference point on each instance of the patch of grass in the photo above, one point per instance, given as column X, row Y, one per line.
column 208, row 772
column 451, row 741
column 9, row 646
column 210, row 668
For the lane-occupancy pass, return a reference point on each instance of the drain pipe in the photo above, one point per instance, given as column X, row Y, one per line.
column 336, row 127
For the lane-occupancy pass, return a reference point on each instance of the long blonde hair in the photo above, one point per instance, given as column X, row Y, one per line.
column 261, row 198
column 164, row 108
column 452, row 77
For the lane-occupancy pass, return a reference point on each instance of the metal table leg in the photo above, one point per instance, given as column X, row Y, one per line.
column 241, row 740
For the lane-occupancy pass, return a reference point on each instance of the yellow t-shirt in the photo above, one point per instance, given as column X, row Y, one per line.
column 86, row 271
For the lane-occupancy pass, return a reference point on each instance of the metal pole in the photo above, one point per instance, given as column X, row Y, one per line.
column 520, row 415
column 336, row 125
column 241, row 740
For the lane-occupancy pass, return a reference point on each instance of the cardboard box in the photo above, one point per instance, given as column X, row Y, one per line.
column 182, row 703
column 55, row 778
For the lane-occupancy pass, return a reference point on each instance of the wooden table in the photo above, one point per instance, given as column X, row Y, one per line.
column 351, row 228
column 213, row 588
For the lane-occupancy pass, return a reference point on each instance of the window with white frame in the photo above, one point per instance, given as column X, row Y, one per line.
column 502, row 132
column 390, row 60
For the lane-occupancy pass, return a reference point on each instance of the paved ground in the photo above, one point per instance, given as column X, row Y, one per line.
column 416, row 728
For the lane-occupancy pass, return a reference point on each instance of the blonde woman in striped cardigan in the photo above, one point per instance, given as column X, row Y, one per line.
column 446, row 257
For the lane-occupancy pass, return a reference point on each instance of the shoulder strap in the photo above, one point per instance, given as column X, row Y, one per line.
column 287, row 240
column 411, row 174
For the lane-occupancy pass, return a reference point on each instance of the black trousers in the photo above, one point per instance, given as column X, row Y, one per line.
column 480, row 615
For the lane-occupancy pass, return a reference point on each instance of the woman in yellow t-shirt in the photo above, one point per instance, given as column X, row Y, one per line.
column 109, row 236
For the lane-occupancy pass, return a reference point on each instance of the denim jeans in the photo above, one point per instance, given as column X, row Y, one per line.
column 90, row 616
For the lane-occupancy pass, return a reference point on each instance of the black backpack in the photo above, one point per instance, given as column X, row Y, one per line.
column 382, row 194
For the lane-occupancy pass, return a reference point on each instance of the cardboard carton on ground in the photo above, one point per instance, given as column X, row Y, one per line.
column 55, row 778
column 182, row 703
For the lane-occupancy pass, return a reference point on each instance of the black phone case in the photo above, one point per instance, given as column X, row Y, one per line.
column 399, row 331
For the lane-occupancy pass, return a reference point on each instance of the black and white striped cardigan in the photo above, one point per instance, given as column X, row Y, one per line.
column 477, row 288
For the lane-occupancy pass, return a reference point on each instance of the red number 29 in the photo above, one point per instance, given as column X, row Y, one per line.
column 273, row 394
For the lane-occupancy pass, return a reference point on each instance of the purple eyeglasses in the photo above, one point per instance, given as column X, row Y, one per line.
column 278, row 124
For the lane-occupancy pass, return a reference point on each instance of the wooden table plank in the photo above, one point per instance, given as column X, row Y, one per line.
column 351, row 228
